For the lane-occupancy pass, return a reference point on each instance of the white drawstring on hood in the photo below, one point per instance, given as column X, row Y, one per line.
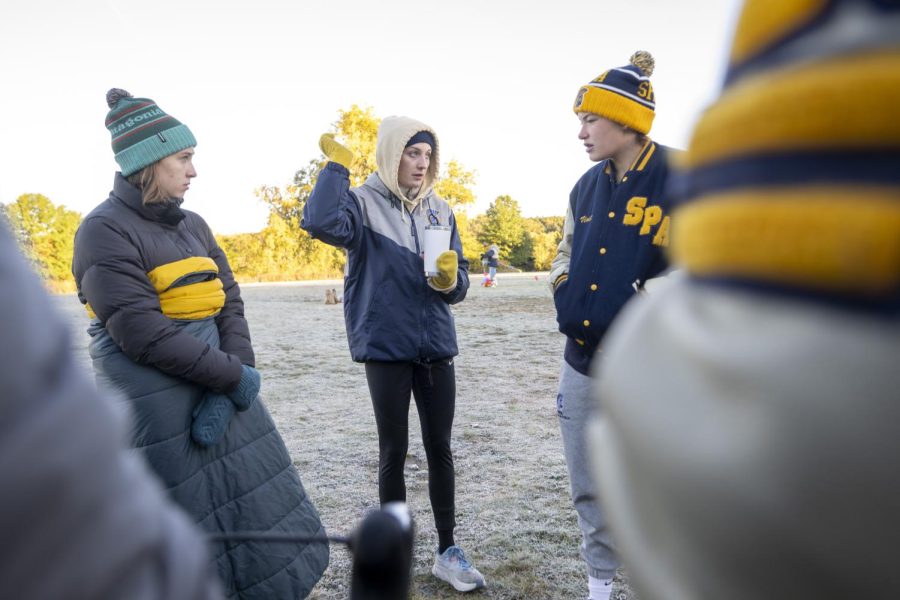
column 393, row 134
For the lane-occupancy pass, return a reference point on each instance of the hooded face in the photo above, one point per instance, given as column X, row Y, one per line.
column 414, row 163
column 399, row 170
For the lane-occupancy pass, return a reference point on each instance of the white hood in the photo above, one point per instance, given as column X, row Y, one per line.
column 393, row 133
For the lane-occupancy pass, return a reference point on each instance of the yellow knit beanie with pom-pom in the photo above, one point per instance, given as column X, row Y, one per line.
column 622, row 94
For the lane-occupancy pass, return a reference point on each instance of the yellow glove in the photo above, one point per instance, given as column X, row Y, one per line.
column 335, row 151
column 447, row 264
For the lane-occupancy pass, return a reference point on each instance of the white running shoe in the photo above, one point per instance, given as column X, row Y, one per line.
column 452, row 567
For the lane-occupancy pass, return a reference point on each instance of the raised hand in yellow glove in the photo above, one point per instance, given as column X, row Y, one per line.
column 335, row 151
column 447, row 264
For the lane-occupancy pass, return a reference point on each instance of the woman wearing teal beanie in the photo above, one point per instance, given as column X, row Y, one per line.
column 168, row 332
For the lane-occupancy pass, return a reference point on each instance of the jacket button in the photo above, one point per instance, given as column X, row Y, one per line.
column 602, row 250
column 593, row 287
column 611, row 214
column 587, row 323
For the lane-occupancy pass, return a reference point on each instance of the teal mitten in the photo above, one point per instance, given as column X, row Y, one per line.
column 211, row 419
column 244, row 395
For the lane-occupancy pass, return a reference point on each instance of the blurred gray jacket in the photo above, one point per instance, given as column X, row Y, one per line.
column 80, row 517
column 749, row 446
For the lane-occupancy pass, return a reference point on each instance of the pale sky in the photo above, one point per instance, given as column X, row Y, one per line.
column 258, row 81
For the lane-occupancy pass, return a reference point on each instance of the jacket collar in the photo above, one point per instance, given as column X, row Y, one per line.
column 167, row 213
column 375, row 182
column 638, row 165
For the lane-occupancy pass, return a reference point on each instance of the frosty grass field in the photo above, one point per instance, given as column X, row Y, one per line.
column 514, row 516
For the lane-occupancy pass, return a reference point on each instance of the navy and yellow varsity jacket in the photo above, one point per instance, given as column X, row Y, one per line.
column 613, row 241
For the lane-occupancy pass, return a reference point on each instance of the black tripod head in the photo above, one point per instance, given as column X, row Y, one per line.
column 382, row 548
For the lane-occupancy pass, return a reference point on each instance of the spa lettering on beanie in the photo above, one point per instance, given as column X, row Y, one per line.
column 622, row 94
column 141, row 132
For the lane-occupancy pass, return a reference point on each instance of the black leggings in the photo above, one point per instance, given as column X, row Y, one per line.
column 434, row 387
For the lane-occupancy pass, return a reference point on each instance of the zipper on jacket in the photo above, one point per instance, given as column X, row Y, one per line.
column 192, row 278
column 422, row 320
column 412, row 230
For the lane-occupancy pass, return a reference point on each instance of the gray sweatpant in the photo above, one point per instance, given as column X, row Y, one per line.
column 574, row 405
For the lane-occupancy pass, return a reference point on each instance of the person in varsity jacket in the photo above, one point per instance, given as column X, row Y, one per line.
column 616, row 228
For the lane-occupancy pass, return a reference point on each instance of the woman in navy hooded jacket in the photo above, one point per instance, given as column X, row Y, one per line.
column 398, row 320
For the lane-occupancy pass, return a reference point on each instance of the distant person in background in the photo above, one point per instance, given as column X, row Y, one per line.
column 492, row 257
column 82, row 518
column 168, row 332
column 398, row 321
column 748, row 444
column 484, row 264
column 493, row 263
column 616, row 228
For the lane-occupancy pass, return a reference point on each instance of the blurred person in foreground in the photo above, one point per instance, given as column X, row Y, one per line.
column 748, row 445
column 80, row 516
column 615, row 229
column 398, row 320
column 168, row 332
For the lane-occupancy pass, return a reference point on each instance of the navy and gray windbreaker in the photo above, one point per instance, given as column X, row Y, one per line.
column 391, row 312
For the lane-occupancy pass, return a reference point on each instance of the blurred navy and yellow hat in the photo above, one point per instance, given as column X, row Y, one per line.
column 792, row 177
column 623, row 94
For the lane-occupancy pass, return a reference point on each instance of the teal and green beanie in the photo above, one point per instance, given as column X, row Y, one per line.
column 623, row 94
column 141, row 132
